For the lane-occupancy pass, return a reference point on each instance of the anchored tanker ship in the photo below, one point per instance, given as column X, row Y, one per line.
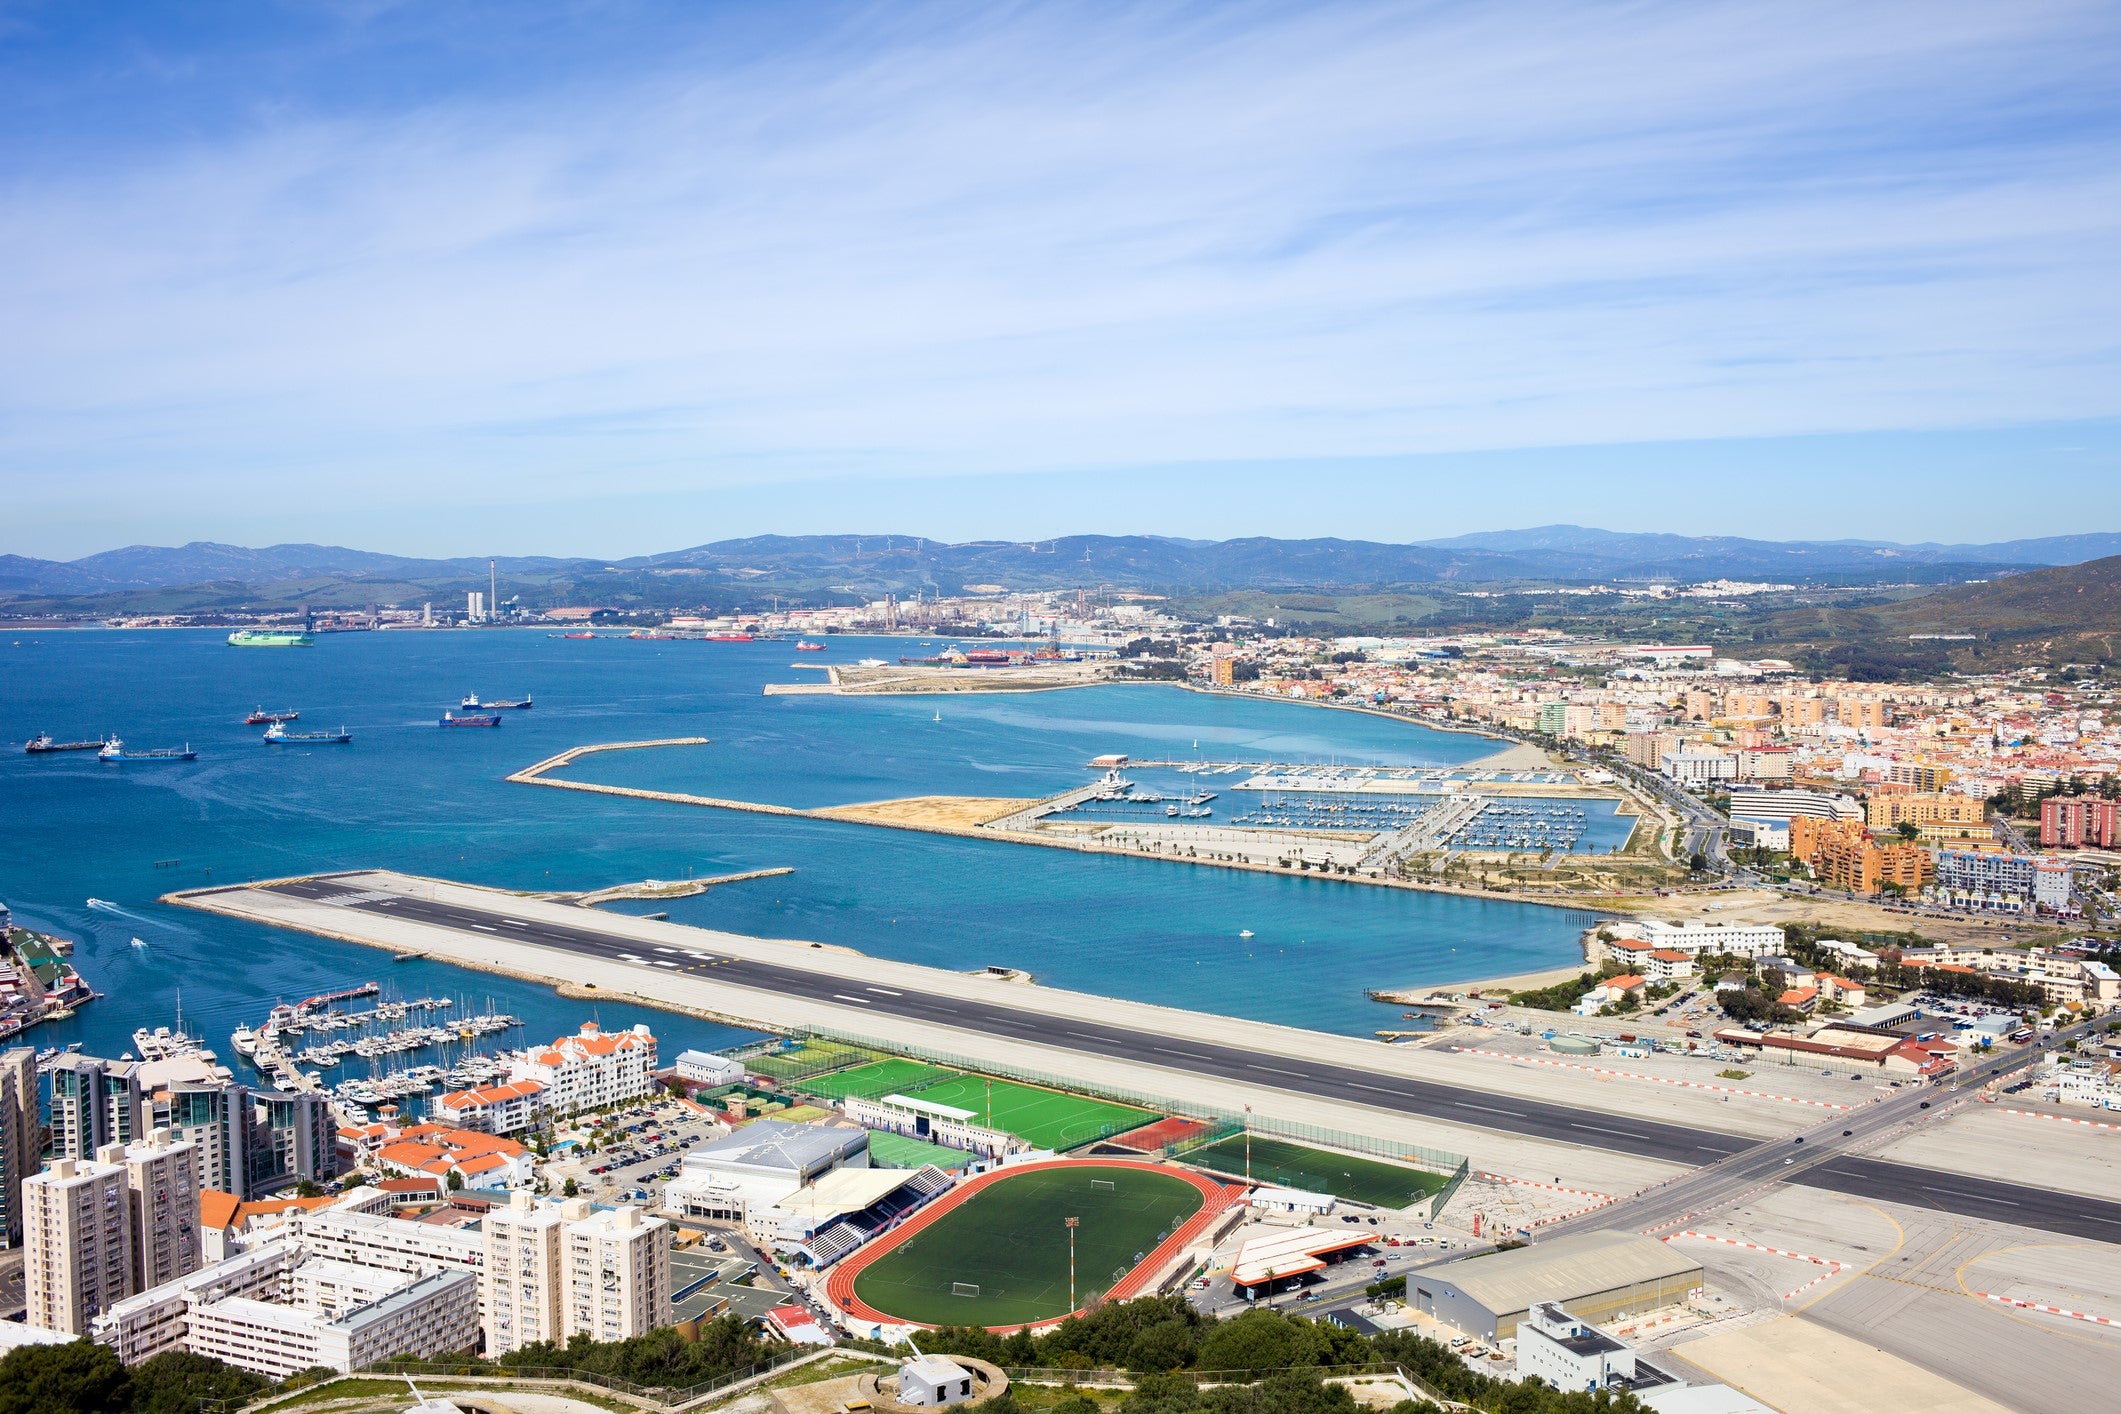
column 269, row 638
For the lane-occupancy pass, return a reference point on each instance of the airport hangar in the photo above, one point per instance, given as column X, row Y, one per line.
column 1596, row 1275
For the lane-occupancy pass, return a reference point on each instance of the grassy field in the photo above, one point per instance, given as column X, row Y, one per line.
column 878, row 1078
column 1048, row 1119
column 1011, row 1241
column 1286, row 1165
column 897, row 1151
column 1045, row 1118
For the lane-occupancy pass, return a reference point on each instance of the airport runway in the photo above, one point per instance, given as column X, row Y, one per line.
column 1868, row 1178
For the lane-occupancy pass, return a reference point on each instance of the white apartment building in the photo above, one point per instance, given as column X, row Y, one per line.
column 334, row 1288
column 492, row 1109
column 162, row 1176
column 77, row 1233
column 391, row 1244
column 591, row 1069
column 618, row 1274
column 1786, row 805
column 437, row 1314
column 1691, row 767
column 1733, row 939
column 156, row 1320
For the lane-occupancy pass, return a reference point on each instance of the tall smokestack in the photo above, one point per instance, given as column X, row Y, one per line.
column 493, row 589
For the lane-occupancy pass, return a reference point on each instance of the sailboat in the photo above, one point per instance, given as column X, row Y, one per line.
column 938, row 714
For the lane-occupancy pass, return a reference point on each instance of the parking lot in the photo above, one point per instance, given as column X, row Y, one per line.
column 636, row 1151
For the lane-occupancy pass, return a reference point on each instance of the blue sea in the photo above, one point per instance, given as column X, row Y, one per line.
column 407, row 795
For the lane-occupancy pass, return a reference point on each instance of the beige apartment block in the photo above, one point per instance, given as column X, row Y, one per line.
column 77, row 1236
column 162, row 1178
column 21, row 1137
column 618, row 1272
column 523, row 1299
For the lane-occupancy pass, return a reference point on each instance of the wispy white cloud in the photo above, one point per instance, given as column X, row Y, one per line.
column 896, row 242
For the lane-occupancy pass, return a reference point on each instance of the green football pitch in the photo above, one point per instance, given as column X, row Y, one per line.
column 1046, row 1119
column 1285, row 1165
column 898, row 1151
column 1001, row 1257
column 875, row 1080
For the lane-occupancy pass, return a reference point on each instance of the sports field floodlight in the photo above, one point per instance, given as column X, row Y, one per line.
column 1073, row 1224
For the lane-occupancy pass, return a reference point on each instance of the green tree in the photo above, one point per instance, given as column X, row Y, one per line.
column 456, row 1181
column 179, row 1382
column 307, row 1188
column 1167, row 1345
column 61, row 1379
column 1261, row 1340
column 569, row 1189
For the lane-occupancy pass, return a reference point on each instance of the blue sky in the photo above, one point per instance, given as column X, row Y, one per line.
column 608, row 278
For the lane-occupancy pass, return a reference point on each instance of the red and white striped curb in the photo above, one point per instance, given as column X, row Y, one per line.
column 1551, row 1188
column 2062, row 1119
column 1655, row 1079
column 1833, row 1268
column 2051, row 1310
column 1598, row 1200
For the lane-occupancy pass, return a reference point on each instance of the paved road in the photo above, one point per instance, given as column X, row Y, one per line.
column 1724, row 1158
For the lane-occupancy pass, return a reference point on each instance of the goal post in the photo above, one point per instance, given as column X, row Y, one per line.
column 1105, row 1183
column 964, row 1288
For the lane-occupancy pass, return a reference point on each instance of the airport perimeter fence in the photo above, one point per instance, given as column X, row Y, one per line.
column 1223, row 1123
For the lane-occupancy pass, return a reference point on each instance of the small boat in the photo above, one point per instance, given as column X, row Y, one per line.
column 938, row 714
column 263, row 718
column 804, row 645
column 42, row 742
column 451, row 719
column 139, row 942
column 278, row 735
column 114, row 750
column 1245, row 933
column 471, row 703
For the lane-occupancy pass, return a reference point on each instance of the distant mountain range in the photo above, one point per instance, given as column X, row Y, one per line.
column 905, row 562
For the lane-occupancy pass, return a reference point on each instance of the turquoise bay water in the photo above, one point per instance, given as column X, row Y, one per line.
column 410, row 796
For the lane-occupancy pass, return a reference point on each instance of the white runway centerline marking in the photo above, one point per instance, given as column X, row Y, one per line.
column 843, row 997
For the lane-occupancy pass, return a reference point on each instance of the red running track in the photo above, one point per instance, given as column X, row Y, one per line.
column 1215, row 1197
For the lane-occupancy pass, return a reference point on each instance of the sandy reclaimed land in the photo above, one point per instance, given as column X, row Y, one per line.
column 952, row 811
column 1804, row 1368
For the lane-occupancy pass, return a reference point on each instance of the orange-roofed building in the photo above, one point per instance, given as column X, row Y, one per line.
column 591, row 1069
column 495, row 1109
column 486, row 1161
